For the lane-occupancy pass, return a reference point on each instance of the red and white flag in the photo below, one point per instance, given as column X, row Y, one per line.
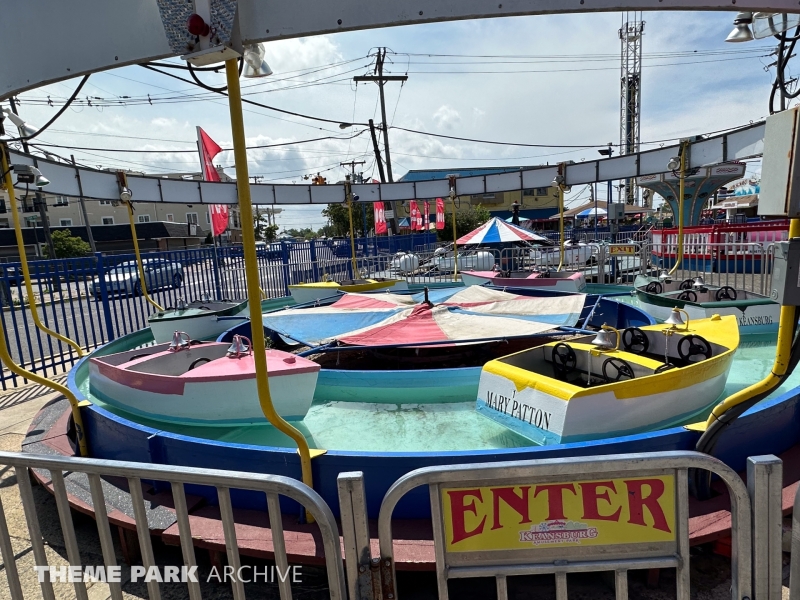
column 208, row 149
column 380, row 218
column 426, row 217
column 439, row 213
column 413, row 211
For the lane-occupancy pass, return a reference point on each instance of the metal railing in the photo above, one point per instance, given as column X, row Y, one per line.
column 744, row 265
column 95, row 471
column 528, row 554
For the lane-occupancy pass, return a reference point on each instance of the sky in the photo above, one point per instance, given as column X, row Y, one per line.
column 546, row 80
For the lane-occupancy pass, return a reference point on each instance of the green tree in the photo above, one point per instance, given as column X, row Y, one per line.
column 339, row 219
column 67, row 245
column 270, row 233
column 466, row 221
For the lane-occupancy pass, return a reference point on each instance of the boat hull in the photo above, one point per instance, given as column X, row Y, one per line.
column 517, row 392
column 597, row 415
column 754, row 316
column 214, row 400
column 566, row 284
column 203, row 326
column 304, row 293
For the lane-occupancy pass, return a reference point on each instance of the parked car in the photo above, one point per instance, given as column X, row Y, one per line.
column 272, row 251
column 124, row 277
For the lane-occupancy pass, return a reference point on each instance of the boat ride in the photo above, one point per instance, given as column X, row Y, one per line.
column 546, row 279
column 313, row 292
column 429, row 348
column 202, row 383
column 200, row 319
column 755, row 313
column 612, row 384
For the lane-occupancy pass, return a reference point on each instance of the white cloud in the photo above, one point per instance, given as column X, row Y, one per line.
column 446, row 117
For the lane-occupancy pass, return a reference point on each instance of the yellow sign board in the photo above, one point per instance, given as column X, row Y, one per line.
column 557, row 515
column 623, row 250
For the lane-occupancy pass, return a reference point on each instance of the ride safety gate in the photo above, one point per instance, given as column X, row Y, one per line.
column 500, row 520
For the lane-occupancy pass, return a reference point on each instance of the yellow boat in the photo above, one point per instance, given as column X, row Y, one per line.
column 310, row 292
column 661, row 376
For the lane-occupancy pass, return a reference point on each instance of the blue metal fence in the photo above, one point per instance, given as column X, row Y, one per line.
column 94, row 300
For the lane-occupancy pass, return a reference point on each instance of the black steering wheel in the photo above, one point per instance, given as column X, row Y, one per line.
column 688, row 295
column 726, row 292
column 635, row 340
column 687, row 284
column 619, row 370
column 654, row 287
column 694, row 345
column 664, row 367
column 199, row 361
column 564, row 358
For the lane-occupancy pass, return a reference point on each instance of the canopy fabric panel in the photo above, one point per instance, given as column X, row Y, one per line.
column 455, row 315
column 497, row 231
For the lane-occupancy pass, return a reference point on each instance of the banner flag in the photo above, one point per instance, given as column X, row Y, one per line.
column 426, row 220
column 439, row 213
column 208, row 149
column 413, row 211
column 380, row 218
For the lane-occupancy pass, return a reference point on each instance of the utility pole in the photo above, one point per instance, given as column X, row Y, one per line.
column 83, row 211
column 39, row 202
column 352, row 164
column 381, row 80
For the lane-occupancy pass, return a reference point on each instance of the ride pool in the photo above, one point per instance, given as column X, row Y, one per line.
column 366, row 437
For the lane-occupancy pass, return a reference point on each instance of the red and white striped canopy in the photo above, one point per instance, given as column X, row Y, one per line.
column 496, row 231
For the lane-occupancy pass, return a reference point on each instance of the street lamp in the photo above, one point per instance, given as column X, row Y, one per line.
column 741, row 28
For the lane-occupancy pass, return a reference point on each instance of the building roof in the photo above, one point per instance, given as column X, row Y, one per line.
column 436, row 174
column 630, row 209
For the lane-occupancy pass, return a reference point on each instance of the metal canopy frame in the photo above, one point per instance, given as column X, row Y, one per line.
column 69, row 180
column 115, row 34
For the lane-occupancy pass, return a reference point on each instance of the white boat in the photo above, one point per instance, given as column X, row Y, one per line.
column 201, row 320
column 663, row 375
column 575, row 253
column 202, row 383
column 467, row 259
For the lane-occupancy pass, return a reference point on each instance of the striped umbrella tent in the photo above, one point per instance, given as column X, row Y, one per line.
column 498, row 231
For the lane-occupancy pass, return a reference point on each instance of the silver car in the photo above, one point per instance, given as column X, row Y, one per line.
column 124, row 277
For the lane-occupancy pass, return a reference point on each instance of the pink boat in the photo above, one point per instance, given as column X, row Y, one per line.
column 564, row 281
column 202, row 383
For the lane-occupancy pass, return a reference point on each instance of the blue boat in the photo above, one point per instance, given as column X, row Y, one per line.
column 398, row 369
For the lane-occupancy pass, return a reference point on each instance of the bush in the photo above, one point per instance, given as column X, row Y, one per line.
column 67, row 245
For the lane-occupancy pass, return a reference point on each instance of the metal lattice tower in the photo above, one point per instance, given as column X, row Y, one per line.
column 630, row 35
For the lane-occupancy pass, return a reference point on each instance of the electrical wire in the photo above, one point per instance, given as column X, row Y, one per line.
column 55, row 117
column 194, row 151
column 259, row 104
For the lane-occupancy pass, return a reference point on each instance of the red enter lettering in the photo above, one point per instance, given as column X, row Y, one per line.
column 637, row 502
column 517, row 502
column 592, row 497
column 458, row 510
column 555, row 498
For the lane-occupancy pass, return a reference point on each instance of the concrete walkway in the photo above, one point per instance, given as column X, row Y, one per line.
column 710, row 574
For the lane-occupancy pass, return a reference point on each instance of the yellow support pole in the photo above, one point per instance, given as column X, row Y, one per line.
column 139, row 265
column 251, row 271
column 349, row 194
column 455, row 236
column 782, row 353
column 681, row 192
column 23, row 259
column 5, row 357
